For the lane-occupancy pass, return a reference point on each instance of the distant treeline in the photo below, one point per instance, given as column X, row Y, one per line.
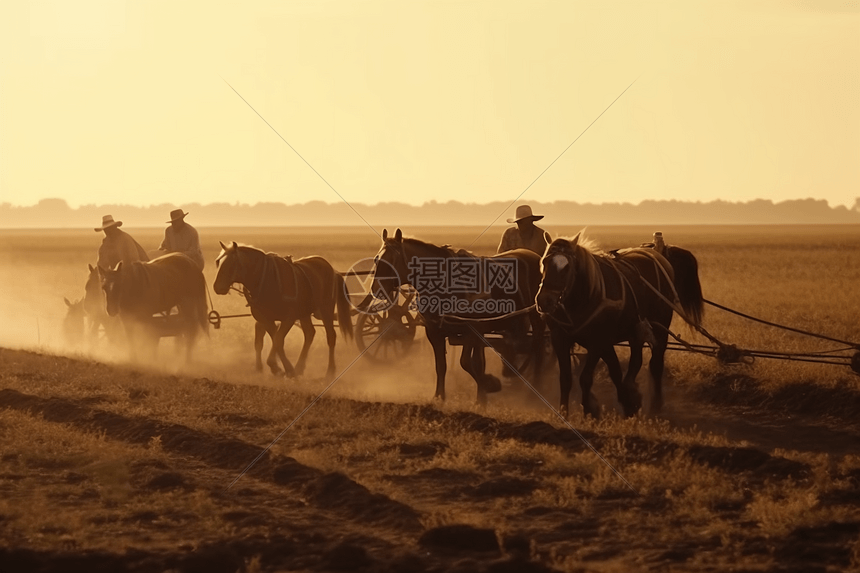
column 56, row 213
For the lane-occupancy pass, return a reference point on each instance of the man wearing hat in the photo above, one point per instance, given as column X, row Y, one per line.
column 526, row 235
column 117, row 245
column 180, row 237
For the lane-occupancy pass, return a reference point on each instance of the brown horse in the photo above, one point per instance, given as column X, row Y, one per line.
column 597, row 299
column 96, row 312
column 281, row 290
column 137, row 291
column 471, row 297
column 73, row 323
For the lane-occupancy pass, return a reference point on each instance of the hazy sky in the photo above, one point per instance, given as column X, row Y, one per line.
column 106, row 101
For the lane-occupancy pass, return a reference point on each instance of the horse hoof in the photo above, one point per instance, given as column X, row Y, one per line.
column 492, row 384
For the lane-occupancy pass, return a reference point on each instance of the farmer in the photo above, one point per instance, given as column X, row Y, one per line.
column 526, row 235
column 117, row 245
column 180, row 237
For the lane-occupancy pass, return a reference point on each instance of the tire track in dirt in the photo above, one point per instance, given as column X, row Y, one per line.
column 801, row 417
column 330, row 491
column 757, row 465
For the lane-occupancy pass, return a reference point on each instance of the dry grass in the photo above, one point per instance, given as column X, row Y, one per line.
column 701, row 501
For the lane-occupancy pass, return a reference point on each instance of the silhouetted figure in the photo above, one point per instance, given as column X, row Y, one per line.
column 526, row 235
column 117, row 245
column 180, row 237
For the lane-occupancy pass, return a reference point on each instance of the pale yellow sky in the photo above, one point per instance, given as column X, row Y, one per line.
column 105, row 101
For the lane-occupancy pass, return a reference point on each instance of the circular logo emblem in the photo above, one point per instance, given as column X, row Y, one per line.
column 358, row 286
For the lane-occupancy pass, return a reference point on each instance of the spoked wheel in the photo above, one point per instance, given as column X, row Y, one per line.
column 395, row 325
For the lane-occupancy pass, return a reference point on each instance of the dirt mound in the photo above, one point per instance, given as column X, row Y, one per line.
column 461, row 539
column 826, row 547
column 840, row 403
column 337, row 491
column 504, row 486
column 218, row 451
column 740, row 460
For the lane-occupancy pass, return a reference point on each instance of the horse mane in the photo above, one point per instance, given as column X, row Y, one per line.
column 252, row 248
column 444, row 250
column 586, row 255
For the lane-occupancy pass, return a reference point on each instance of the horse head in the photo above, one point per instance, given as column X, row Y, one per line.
column 112, row 285
column 389, row 266
column 73, row 323
column 94, row 296
column 228, row 267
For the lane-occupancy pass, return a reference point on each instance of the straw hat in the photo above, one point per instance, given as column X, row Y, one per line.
column 525, row 212
column 108, row 222
column 177, row 215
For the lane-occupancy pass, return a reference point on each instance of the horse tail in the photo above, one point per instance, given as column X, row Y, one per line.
column 344, row 308
column 687, row 283
column 201, row 307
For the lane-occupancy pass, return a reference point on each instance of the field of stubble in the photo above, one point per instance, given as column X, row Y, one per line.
column 110, row 466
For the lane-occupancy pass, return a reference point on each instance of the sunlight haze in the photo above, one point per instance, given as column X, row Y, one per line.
column 128, row 102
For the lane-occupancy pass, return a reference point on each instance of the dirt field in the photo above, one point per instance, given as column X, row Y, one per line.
column 111, row 466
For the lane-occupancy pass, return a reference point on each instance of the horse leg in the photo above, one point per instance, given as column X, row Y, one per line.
column 586, row 379
column 658, row 356
column 437, row 341
column 610, row 358
column 310, row 331
column 470, row 365
column 538, row 340
column 278, row 347
column 561, row 347
column 259, row 335
column 628, row 393
column 491, row 383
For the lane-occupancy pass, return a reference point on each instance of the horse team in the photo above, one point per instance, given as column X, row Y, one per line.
column 583, row 295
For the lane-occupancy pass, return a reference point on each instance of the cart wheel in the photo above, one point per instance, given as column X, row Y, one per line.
column 396, row 324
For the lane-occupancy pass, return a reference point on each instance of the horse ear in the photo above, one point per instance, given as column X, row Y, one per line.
column 67, row 301
column 384, row 234
column 398, row 235
column 117, row 267
column 235, row 246
column 222, row 246
column 89, row 266
column 575, row 240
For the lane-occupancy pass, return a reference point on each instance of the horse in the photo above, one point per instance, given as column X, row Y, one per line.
column 281, row 289
column 95, row 310
column 481, row 302
column 73, row 323
column 137, row 291
column 598, row 299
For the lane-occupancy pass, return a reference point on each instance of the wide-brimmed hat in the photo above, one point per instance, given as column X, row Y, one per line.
column 177, row 215
column 525, row 212
column 108, row 222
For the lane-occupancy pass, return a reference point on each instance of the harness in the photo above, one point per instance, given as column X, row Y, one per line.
column 270, row 264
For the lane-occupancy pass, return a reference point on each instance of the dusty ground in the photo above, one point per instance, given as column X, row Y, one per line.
column 107, row 466
column 116, row 468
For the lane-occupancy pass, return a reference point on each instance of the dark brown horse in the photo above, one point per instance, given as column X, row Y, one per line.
column 477, row 289
column 137, row 291
column 597, row 299
column 282, row 290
